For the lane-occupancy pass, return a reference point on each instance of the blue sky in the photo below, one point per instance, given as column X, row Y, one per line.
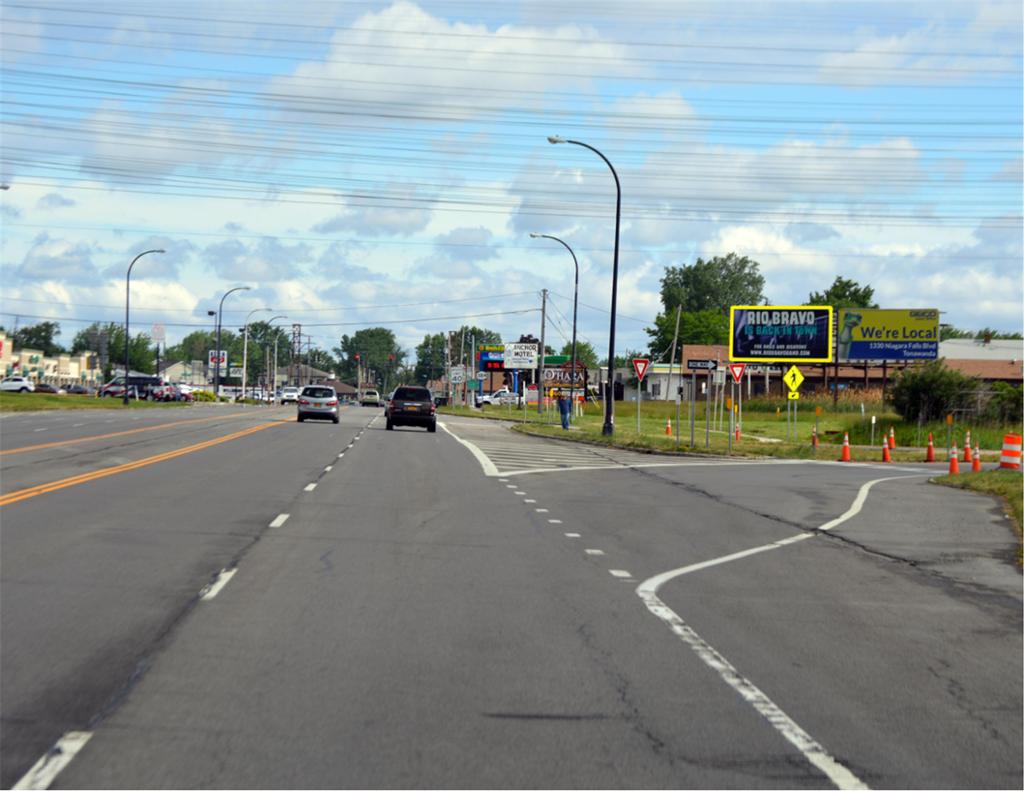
column 360, row 164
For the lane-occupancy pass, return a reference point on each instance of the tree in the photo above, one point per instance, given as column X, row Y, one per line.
column 585, row 354
column 713, row 285
column 430, row 358
column 140, row 350
column 931, row 391
column 703, row 326
column 39, row 336
column 322, row 360
column 379, row 355
column 844, row 293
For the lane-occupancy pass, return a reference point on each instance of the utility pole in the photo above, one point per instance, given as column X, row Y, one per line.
column 540, row 355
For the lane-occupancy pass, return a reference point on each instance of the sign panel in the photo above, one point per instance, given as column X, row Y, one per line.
column 458, row 374
column 764, row 369
column 212, row 354
column 701, row 365
column 235, row 372
column 520, row 355
column 793, row 378
column 780, row 333
column 871, row 334
column 794, row 395
column 641, row 365
column 736, row 369
column 159, row 333
column 481, row 374
column 563, row 375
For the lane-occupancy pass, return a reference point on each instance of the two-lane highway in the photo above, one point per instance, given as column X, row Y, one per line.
column 312, row 605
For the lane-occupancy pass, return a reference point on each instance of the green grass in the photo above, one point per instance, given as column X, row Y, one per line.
column 40, row 402
column 1007, row 484
column 762, row 425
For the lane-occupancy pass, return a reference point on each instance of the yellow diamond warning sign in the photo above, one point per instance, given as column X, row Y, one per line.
column 793, row 378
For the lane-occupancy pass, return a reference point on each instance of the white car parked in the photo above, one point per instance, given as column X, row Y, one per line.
column 18, row 384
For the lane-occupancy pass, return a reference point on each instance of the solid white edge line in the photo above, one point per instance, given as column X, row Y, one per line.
column 814, row 752
column 217, row 585
column 279, row 520
column 488, row 466
column 45, row 770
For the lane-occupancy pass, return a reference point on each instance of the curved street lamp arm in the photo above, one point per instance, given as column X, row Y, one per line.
column 127, row 300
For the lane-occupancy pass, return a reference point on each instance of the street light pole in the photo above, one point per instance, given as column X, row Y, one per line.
column 273, row 384
column 575, row 297
column 609, row 408
column 245, row 346
column 220, row 319
column 127, row 297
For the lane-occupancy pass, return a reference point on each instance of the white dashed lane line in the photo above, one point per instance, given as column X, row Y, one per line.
column 594, row 551
column 529, row 501
column 328, row 468
column 521, row 494
column 310, row 487
column 46, row 769
column 555, row 521
column 217, row 585
column 620, row 573
column 279, row 520
column 541, row 510
column 572, row 535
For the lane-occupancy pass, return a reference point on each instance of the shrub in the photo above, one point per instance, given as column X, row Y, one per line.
column 931, row 391
column 1005, row 403
column 202, row 395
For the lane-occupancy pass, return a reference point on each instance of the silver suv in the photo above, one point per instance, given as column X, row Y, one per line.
column 318, row 401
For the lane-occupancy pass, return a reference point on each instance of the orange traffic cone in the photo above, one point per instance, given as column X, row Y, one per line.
column 976, row 463
column 846, row 447
column 967, row 447
column 954, row 462
column 930, row 455
column 668, row 427
column 886, row 457
column 892, row 439
column 737, row 432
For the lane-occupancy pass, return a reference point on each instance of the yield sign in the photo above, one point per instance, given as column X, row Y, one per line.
column 641, row 365
column 737, row 371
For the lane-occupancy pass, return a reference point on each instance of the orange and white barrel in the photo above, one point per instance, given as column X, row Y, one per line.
column 1010, row 459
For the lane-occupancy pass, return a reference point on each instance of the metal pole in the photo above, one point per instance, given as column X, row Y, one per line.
column 671, row 360
column 220, row 318
column 707, row 413
column 732, row 390
column 609, row 413
column 575, row 299
column 693, row 404
column 540, row 356
column 127, row 296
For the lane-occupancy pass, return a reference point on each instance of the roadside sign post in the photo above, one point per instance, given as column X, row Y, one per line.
column 793, row 379
column 707, row 413
column 700, row 365
column 732, row 391
column 872, row 431
column 640, row 365
column 817, row 414
column 736, row 369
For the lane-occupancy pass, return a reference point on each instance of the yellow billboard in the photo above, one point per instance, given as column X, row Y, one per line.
column 877, row 334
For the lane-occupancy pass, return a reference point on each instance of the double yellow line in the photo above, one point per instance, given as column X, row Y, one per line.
column 60, row 442
column 43, row 488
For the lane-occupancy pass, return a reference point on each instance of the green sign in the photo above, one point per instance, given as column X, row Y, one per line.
column 473, row 384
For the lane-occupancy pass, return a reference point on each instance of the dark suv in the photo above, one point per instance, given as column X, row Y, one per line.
column 411, row 406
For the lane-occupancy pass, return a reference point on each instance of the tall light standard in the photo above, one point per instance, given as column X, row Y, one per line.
column 575, row 297
column 127, row 298
column 609, row 407
column 245, row 346
column 273, row 384
column 220, row 319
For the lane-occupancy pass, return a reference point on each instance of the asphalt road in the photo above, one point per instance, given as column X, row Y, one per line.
column 244, row 601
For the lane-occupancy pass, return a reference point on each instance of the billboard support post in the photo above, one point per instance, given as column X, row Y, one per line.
column 693, row 403
column 707, row 414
